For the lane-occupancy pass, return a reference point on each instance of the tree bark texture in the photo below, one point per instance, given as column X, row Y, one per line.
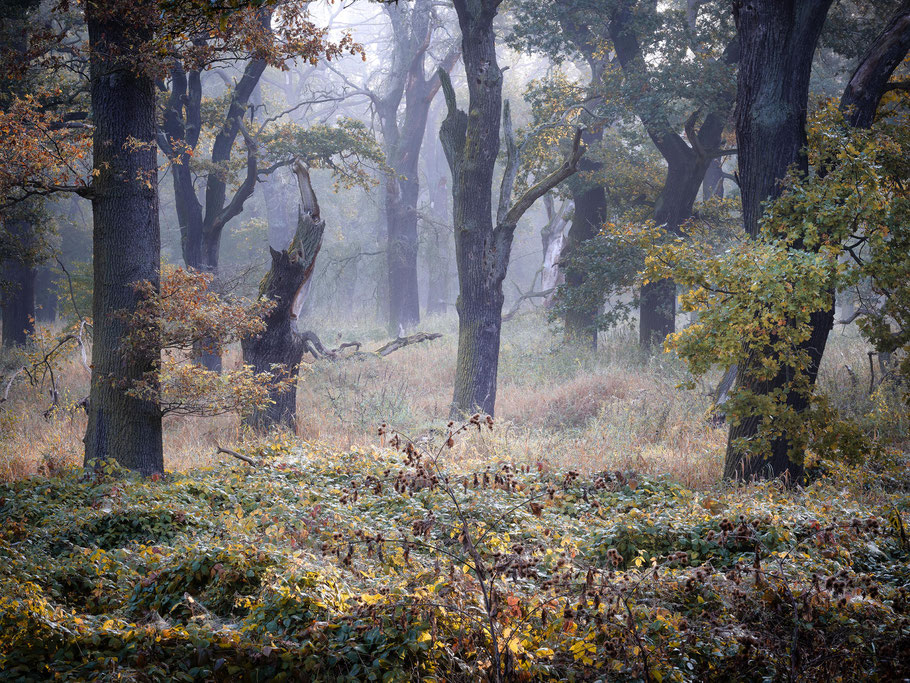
column 687, row 161
column 126, row 240
column 778, row 41
column 286, row 284
column 18, row 285
column 777, row 44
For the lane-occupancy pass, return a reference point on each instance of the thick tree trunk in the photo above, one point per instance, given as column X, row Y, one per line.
column 477, row 364
column 18, row 286
column 859, row 104
column 482, row 250
column 286, row 284
column 777, row 45
column 126, row 241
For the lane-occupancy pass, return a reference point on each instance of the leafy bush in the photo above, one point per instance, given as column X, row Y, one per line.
column 380, row 565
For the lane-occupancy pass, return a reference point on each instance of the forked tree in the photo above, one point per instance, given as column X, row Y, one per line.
column 483, row 244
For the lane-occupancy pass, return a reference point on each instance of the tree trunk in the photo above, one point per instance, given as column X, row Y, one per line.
column 286, row 284
column 401, row 250
column 482, row 251
column 202, row 223
column 438, row 268
column 859, row 103
column 713, row 185
column 590, row 216
column 471, row 145
column 777, row 43
column 126, row 241
column 687, row 162
column 685, row 172
column 18, row 282
column 439, row 256
column 403, row 135
column 45, row 295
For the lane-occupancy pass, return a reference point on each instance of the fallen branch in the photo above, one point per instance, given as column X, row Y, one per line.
column 239, row 456
column 313, row 346
column 401, row 342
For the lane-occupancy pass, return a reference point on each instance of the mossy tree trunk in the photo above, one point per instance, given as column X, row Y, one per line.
column 482, row 247
column 126, row 239
column 286, row 285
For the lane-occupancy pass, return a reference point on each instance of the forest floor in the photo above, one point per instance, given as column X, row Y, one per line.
column 586, row 536
column 372, row 564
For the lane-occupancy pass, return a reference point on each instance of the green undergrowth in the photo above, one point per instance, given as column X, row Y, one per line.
column 378, row 566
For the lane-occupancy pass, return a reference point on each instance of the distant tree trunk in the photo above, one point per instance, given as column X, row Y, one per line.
column 590, row 215
column 280, row 229
column 439, row 255
column 126, row 239
column 286, row 284
column 202, row 223
column 552, row 242
column 686, row 168
column 687, row 162
column 403, row 134
column 713, row 185
column 482, row 250
column 45, row 295
column 439, row 259
column 18, row 280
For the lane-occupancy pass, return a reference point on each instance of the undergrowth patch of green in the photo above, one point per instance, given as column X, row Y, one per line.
column 381, row 566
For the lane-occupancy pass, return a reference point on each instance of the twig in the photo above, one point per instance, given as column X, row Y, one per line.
column 69, row 280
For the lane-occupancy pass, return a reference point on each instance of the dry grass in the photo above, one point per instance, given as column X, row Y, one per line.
column 557, row 405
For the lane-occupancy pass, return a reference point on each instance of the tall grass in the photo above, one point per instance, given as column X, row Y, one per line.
column 613, row 408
